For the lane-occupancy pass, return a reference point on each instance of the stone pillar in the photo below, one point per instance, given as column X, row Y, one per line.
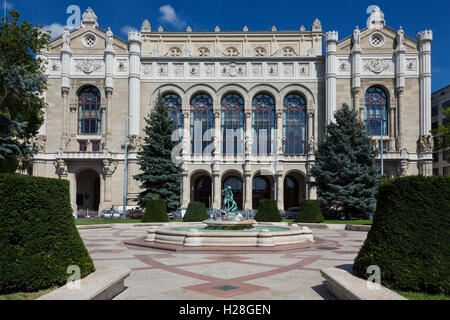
column 134, row 82
column 66, row 54
column 109, row 85
column 247, row 190
column 310, row 139
column 426, row 140
column 186, row 193
column 218, row 137
column 279, row 135
column 248, row 132
column 107, row 124
column 425, row 38
column 400, row 70
column 217, row 187
column 279, row 190
column 186, row 136
column 331, row 39
column 356, row 71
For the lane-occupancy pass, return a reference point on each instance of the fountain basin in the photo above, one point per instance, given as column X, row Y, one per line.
column 261, row 235
column 229, row 224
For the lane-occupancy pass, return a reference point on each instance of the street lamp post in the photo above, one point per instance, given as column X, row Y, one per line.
column 125, row 170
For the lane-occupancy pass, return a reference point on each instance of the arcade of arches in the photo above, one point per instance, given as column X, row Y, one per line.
column 292, row 186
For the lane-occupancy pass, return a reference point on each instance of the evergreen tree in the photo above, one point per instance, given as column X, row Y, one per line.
column 160, row 177
column 345, row 173
column 442, row 140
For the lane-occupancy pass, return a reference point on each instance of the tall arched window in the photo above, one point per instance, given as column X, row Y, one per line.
column 174, row 105
column 263, row 124
column 376, row 112
column 202, row 123
column 232, row 125
column 89, row 112
column 294, row 124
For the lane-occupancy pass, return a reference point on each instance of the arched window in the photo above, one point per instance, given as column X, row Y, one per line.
column 294, row 125
column 202, row 190
column 376, row 112
column 89, row 112
column 174, row 105
column 202, row 123
column 263, row 124
column 261, row 190
column 232, row 125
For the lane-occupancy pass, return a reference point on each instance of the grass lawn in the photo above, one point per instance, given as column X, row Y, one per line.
column 84, row 222
column 422, row 296
column 25, row 295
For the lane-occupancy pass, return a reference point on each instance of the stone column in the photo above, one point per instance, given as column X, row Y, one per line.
column 248, row 190
column 186, row 134
column 217, row 187
column 218, row 137
column 426, row 140
column 400, row 132
column 134, row 82
column 331, row 39
column 186, row 193
column 279, row 136
column 107, row 124
column 310, row 128
column 66, row 54
column 425, row 38
column 356, row 71
column 279, row 190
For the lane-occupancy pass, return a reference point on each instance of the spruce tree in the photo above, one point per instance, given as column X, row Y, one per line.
column 160, row 178
column 346, row 175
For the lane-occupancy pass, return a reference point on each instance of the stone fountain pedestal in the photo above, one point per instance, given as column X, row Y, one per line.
column 229, row 224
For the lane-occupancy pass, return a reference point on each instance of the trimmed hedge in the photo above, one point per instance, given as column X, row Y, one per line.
column 196, row 212
column 309, row 212
column 155, row 211
column 409, row 238
column 38, row 237
column 268, row 211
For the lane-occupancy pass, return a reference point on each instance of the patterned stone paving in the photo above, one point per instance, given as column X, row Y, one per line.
column 161, row 275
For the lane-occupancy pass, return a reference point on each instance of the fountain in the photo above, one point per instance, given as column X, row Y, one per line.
column 230, row 230
column 230, row 218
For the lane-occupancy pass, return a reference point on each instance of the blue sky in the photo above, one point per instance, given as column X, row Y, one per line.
column 342, row 16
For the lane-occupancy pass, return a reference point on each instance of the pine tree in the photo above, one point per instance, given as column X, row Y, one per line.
column 346, row 175
column 160, row 177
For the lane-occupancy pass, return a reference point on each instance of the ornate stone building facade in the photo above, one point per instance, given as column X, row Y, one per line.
column 248, row 107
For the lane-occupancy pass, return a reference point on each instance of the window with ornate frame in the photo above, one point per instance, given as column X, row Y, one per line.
column 376, row 112
column 263, row 123
column 174, row 106
column 202, row 123
column 233, row 122
column 89, row 112
column 294, row 124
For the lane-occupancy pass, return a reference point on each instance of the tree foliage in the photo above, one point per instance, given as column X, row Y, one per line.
column 345, row 173
column 442, row 140
column 22, row 84
column 160, row 178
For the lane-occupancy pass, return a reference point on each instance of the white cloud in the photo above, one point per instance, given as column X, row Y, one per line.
column 168, row 15
column 55, row 29
column 127, row 29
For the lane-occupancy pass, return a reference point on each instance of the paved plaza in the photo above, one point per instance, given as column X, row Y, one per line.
column 163, row 275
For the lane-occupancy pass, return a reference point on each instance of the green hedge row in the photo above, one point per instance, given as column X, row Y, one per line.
column 196, row 212
column 268, row 211
column 309, row 212
column 155, row 211
column 409, row 238
column 38, row 237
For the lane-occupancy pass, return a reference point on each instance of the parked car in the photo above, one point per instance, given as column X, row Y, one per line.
column 110, row 214
column 136, row 213
column 178, row 214
column 292, row 213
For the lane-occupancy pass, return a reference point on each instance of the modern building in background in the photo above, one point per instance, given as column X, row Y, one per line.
column 249, row 107
column 440, row 100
